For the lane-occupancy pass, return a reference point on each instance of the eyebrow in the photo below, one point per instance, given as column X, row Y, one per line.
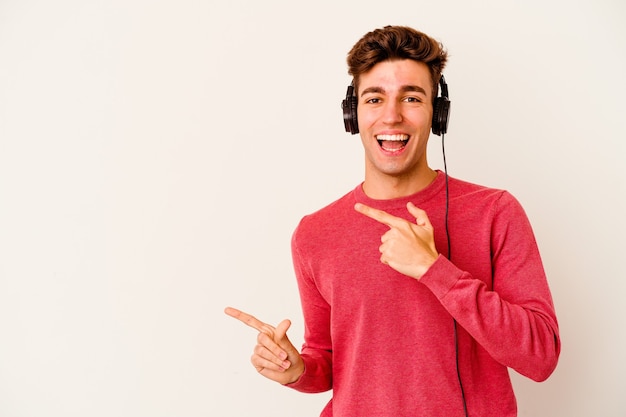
column 404, row 89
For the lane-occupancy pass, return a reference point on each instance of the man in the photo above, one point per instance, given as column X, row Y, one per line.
column 418, row 291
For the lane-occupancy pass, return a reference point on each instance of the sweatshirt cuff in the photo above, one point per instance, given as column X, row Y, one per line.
column 315, row 378
column 441, row 277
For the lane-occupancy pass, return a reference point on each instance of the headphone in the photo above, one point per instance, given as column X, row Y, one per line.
column 441, row 110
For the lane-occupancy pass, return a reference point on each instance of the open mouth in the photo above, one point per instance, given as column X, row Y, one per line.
column 392, row 143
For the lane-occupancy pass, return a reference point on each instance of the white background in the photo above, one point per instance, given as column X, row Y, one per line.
column 155, row 157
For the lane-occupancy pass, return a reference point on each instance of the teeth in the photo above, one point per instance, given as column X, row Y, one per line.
column 392, row 137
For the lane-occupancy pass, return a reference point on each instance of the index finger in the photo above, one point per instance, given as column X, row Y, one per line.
column 378, row 215
column 246, row 319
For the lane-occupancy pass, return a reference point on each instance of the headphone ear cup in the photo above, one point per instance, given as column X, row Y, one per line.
column 349, row 105
column 441, row 115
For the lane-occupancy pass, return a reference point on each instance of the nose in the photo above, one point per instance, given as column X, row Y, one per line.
column 392, row 112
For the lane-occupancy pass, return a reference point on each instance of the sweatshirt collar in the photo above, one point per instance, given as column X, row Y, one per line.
column 434, row 188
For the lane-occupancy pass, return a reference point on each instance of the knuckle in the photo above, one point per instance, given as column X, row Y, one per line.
column 267, row 329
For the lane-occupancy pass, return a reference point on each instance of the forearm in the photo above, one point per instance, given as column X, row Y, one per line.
column 520, row 332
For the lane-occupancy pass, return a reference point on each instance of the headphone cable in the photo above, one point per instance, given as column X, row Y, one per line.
column 456, row 341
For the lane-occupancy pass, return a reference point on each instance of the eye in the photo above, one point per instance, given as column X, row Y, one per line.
column 373, row 100
column 413, row 99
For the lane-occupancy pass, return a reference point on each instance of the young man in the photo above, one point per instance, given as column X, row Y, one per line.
column 418, row 291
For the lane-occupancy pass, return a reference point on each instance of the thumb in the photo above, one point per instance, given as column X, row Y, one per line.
column 282, row 340
column 281, row 329
column 421, row 218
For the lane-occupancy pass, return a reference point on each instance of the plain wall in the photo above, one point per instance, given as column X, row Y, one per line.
column 155, row 157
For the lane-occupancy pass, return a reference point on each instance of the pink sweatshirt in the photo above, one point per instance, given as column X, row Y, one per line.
column 385, row 343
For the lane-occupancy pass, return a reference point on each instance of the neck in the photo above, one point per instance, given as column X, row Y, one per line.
column 387, row 187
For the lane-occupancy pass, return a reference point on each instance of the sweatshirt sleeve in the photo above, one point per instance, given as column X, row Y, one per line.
column 514, row 321
column 317, row 349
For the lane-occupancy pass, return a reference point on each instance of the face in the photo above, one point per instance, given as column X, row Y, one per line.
column 395, row 115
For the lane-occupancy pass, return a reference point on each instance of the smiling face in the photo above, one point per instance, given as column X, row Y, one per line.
column 395, row 115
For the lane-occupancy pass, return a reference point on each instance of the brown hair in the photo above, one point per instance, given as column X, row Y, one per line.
column 397, row 42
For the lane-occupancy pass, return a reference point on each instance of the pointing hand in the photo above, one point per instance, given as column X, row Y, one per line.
column 407, row 247
column 274, row 356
